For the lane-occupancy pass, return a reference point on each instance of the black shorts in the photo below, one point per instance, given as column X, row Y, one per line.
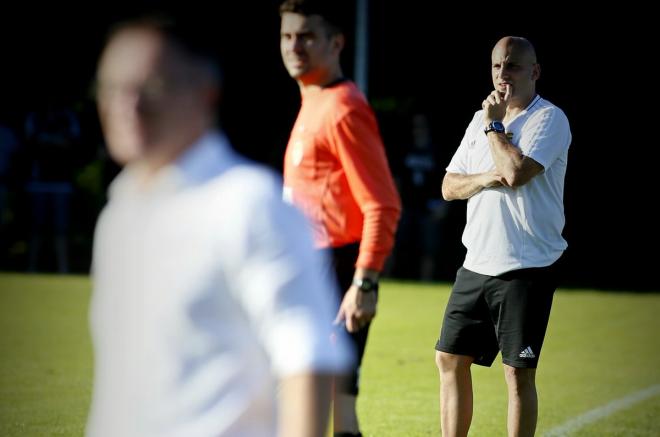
column 343, row 260
column 510, row 312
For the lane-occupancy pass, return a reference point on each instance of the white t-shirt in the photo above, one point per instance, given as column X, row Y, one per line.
column 207, row 290
column 514, row 228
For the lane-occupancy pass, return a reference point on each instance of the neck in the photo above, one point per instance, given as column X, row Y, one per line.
column 165, row 154
column 516, row 106
column 320, row 81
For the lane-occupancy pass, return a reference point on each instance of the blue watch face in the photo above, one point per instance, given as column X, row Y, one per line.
column 495, row 126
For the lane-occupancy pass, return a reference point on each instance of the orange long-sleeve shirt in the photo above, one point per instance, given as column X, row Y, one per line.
column 336, row 171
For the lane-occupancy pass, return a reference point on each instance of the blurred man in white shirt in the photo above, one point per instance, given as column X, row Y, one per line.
column 209, row 315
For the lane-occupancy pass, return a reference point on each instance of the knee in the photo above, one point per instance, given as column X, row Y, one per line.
column 442, row 360
column 451, row 363
column 520, row 380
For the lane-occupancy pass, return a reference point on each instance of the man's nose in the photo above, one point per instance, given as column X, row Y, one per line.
column 297, row 44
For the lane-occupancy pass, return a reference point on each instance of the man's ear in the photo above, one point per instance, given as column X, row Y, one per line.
column 212, row 96
column 338, row 42
column 536, row 71
column 209, row 86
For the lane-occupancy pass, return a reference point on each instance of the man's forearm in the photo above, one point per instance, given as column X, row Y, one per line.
column 304, row 405
column 361, row 272
column 378, row 230
column 458, row 186
column 507, row 158
column 516, row 168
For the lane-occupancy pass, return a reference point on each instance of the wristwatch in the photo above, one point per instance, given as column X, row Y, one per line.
column 366, row 285
column 495, row 126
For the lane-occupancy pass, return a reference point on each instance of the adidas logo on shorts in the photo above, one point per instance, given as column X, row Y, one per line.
column 527, row 353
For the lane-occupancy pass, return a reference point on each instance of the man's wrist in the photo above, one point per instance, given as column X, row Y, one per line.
column 364, row 272
column 366, row 284
column 495, row 126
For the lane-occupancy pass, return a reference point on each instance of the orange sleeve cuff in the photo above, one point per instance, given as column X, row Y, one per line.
column 372, row 260
column 378, row 237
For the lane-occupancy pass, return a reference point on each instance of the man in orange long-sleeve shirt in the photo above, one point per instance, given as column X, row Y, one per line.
column 336, row 171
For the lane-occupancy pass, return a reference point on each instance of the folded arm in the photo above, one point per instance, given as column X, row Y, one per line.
column 515, row 168
column 457, row 186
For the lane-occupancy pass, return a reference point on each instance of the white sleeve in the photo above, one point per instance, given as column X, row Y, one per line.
column 279, row 281
column 459, row 162
column 545, row 136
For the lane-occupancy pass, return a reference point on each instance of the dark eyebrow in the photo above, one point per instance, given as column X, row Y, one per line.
column 507, row 63
column 304, row 33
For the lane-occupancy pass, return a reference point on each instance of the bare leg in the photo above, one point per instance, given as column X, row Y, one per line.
column 304, row 405
column 455, row 393
column 523, row 402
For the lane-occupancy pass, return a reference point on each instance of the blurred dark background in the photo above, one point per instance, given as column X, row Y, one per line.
column 429, row 69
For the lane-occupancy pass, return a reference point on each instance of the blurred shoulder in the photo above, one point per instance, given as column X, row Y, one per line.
column 347, row 94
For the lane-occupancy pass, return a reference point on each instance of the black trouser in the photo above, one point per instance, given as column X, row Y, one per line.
column 343, row 260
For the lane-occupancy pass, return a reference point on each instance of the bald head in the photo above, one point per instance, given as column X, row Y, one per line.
column 518, row 45
column 514, row 68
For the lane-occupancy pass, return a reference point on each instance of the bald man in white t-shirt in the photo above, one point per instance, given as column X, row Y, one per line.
column 510, row 166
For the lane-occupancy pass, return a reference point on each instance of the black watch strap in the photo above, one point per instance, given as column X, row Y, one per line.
column 366, row 285
column 495, row 126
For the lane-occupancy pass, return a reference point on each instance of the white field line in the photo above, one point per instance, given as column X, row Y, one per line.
column 598, row 413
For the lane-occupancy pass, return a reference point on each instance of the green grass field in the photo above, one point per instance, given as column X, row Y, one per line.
column 600, row 347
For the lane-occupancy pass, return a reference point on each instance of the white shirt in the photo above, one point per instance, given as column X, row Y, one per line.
column 207, row 290
column 515, row 228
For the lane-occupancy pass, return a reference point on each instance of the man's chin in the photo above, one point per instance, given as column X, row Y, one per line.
column 296, row 73
column 124, row 149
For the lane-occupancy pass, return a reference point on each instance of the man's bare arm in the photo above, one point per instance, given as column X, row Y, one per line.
column 458, row 186
column 516, row 168
column 304, row 405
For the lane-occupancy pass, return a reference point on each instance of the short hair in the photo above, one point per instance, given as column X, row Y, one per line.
column 337, row 14
column 184, row 33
